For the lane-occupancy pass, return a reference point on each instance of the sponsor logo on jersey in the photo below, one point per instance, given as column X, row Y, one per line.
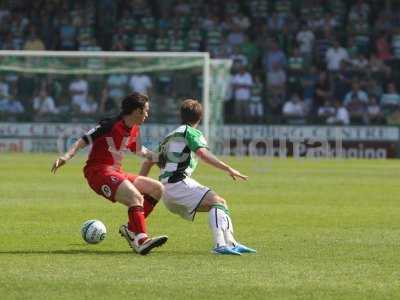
column 106, row 190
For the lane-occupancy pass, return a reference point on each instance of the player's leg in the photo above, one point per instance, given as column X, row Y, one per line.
column 152, row 191
column 136, row 231
column 221, row 224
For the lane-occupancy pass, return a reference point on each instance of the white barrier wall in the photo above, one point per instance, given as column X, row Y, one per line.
column 361, row 141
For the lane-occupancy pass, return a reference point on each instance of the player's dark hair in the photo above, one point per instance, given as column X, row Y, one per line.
column 191, row 111
column 133, row 102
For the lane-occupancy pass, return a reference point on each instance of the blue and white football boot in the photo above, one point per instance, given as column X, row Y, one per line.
column 243, row 249
column 224, row 250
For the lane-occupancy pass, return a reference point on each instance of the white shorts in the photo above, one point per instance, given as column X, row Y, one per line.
column 183, row 197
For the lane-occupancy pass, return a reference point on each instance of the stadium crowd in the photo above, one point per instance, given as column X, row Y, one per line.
column 296, row 62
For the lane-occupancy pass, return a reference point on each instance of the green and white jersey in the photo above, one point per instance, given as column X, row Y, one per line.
column 177, row 157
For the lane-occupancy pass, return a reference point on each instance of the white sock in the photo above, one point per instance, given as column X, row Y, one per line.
column 218, row 224
column 228, row 233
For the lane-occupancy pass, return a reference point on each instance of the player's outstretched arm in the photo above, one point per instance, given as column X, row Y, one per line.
column 79, row 144
column 210, row 159
column 146, row 167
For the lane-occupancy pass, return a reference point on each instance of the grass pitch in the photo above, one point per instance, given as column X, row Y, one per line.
column 326, row 229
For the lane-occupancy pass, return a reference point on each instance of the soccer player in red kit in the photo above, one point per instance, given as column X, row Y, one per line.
column 110, row 139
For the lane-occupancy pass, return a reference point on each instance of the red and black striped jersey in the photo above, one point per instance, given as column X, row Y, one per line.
column 109, row 140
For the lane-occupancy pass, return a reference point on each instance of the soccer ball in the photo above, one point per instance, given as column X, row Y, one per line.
column 93, row 231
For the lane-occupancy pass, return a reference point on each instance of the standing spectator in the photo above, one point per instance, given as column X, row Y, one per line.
column 276, row 79
column 323, row 43
column 236, row 36
column 308, row 82
column 305, row 38
column 274, row 56
column 256, row 100
column 79, row 91
column 359, row 11
column 383, row 47
column 241, row 86
column 4, row 88
column 396, row 43
column 356, row 102
column 342, row 81
column 322, row 91
column 335, row 55
column 296, row 66
column 67, row 34
column 141, row 83
column 43, row 103
column 116, row 85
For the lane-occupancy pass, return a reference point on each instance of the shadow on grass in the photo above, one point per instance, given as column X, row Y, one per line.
column 170, row 253
column 67, row 252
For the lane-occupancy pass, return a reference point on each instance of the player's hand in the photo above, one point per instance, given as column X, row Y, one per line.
column 58, row 163
column 236, row 174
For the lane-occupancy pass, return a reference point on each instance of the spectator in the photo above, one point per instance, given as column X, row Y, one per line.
column 86, row 107
column 275, row 22
column 295, row 107
column 4, row 88
column 241, row 86
column 79, row 91
column 341, row 117
column 335, row 55
column 44, row 104
column 276, row 79
column 274, row 56
column 390, row 99
column 383, row 47
column 321, row 92
column 356, row 102
column 67, row 34
column 308, row 82
column 396, row 43
column 305, row 38
column 296, row 66
column 377, row 68
column 375, row 114
column 326, row 111
column 323, row 43
column 373, row 87
column 141, row 83
column 240, row 20
column 359, row 11
column 11, row 105
column 248, row 49
column 256, row 103
column 236, row 36
column 356, row 94
column 359, row 63
column 116, row 85
column 34, row 42
column 342, row 81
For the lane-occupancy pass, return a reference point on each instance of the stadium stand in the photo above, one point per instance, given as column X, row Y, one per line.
column 295, row 62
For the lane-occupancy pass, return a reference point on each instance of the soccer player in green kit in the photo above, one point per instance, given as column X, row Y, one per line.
column 182, row 194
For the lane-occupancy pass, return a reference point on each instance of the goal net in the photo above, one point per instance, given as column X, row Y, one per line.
column 86, row 86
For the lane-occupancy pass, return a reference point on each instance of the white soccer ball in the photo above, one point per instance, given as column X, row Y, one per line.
column 93, row 231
